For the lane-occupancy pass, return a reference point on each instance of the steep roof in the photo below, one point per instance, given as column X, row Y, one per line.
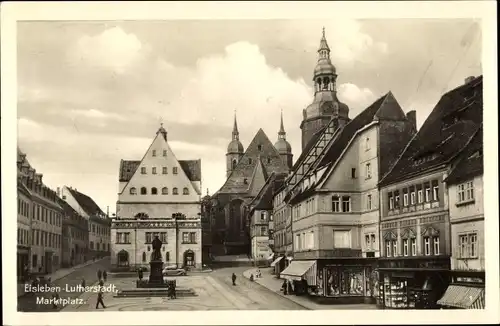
column 259, row 178
column 86, row 203
column 192, row 168
column 242, row 176
column 264, row 199
column 470, row 162
column 451, row 124
column 67, row 208
column 314, row 139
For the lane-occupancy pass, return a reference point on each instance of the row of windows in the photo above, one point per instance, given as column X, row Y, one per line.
column 465, row 192
column 41, row 213
column 409, row 247
column 124, row 237
column 99, row 246
column 154, row 191
column 23, row 237
column 101, row 230
column 45, row 239
column 304, row 241
column 413, row 195
column 35, row 262
column 23, row 208
column 77, row 234
column 153, row 153
column 341, row 204
column 164, row 170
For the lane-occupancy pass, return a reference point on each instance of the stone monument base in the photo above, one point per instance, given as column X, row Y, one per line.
column 156, row 272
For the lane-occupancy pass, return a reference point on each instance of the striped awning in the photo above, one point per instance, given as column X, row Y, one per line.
column 462, row 296
column 277, row 260
column 299, row 270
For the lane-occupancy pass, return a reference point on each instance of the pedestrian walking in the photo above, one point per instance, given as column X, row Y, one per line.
column 101, row 282
column 105, row 276
column 141, row 274
column 251, row 277
column 233, row 278
column 99, row 299
column 83, row 283
column 99, row 275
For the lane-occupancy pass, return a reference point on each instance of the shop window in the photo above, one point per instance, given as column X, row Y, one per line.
column 164, row 191
column 154, row 152
column 335, row 204
column 154, row 191
column 344, row 281
column 399, row 293
column 427, row 246
column 346, row 204
column 436, row 246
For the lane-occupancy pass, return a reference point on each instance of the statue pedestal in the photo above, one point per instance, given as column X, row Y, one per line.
column 156, row 272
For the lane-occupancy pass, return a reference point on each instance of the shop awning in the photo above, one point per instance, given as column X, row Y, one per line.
column 277, row 260
column 461, row 296
column 299, row 270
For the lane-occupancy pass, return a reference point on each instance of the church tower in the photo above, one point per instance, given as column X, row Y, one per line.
column 283, row 146
column 234, row 151
column 326, row 105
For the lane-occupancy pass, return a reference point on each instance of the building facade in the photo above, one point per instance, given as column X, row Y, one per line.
column 414, row 217
column 24, row 214
column 465, row 193
column 158, row 196
column 99, row 224
column 334, row 202
column 75, row 237
column 46, row 220
column 247, row 173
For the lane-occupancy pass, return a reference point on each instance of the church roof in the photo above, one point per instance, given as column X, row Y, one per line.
column 247, row 176
column 452, row 123
column 192, row 168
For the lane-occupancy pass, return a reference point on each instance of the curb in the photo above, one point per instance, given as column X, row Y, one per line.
column 275, row 292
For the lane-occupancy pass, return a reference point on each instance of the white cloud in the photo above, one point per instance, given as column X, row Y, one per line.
column 95, row 114
column 355, row 97
column 114, row 49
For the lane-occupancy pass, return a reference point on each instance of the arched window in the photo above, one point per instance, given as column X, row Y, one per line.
column 185, row 191
column 154, row 191
column 133, row 191
column 175, row 191
column 143, row 257
column 144, row 191
column 234, row 164
column 122, row 258
column 164, row 191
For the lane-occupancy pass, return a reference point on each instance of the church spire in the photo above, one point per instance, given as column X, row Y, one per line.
column 324, row 49
column 236, row 134
column 281, row 132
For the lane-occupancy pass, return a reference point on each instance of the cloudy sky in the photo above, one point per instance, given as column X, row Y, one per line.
column 90, row 94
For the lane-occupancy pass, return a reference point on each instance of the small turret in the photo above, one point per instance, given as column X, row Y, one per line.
column 235, row 149
column 283, row 146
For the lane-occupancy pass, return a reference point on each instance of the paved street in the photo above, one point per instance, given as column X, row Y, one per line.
column 27, row 303
column 214, row 290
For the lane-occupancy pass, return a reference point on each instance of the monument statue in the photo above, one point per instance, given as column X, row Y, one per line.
column 156, row 254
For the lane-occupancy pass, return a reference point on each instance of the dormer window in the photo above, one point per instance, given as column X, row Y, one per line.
column 175, row 191
column 154, row 152
column 185, row 191
column 154, row 191
column 144, row 191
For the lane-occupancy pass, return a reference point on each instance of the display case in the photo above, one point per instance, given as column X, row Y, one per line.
column 398, row 294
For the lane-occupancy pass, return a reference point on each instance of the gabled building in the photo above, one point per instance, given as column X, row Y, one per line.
column 465, row 193
column 39, row 206
column 99, row 224
column 415, row 205
column 75, row 236
column 159, row 196
column 247, row 173
column 333, row 197
column 260, row 215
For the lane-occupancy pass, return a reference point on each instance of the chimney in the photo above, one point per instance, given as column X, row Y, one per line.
column 469, row 79
column 58, row 191
column 412, row 118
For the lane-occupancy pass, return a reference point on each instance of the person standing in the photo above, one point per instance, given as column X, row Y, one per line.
column 105, row 275
column 99, row 299
column 99, row 275
column 233, row 278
